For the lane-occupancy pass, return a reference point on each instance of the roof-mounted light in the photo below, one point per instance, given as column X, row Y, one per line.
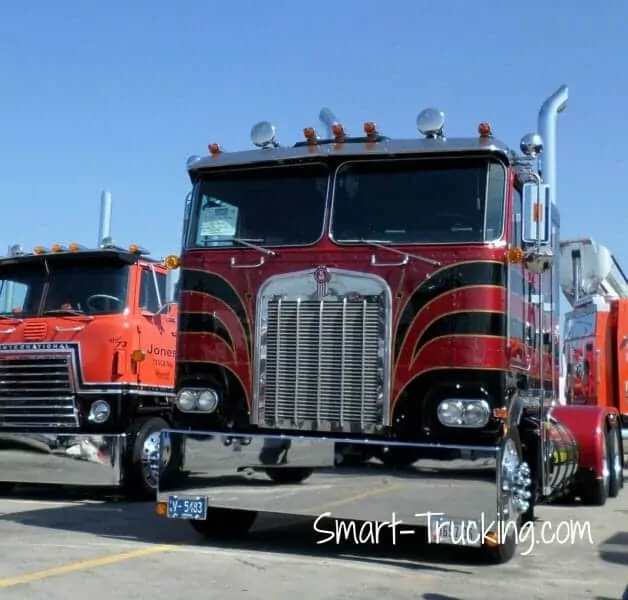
column 16, row 250
column 40, row 250
column 263, row 135
column 172, row 262
column 58, row 248
column 531, row 145
column 430, row 122
column 338, row 131
column 370, row 130
column 74, row 247
column 135, row 249
column 485, row 130
column 192, row 160
column 309, row 133
column 214, row 149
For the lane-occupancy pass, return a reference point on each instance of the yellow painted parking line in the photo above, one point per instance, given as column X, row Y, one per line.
column 111, row 559
column 83, row 565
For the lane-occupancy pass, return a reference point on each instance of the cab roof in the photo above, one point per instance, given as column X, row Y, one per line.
column 88, row 255
column 353, row 147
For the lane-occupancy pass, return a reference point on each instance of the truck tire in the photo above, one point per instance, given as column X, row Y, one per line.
column 616, row 462
column 143, row 436
column 288, row 475
column 504, row 552
column 224, row 523
column 596, row 492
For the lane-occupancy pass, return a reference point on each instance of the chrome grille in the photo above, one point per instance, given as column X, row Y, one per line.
column 36, row 391
column 323, row 362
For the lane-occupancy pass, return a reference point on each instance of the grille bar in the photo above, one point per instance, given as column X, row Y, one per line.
column 36, row 391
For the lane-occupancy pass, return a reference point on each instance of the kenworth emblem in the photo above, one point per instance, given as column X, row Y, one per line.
column 322, row 277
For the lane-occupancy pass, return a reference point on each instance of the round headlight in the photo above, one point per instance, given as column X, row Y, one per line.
column 186, row 400
column 99, row 411
column 450, row 413
column 207, row 401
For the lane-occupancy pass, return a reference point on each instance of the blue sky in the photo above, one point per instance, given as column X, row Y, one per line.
column 117, row 95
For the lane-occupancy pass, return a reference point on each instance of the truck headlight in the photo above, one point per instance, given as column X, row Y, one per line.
column 459, row 412
column 197, row 400
column 99, row 411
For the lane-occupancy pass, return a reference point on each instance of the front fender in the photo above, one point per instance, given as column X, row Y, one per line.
column 588, row 424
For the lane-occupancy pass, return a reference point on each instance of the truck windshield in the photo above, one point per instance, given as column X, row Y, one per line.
column 414, row 201
column 27, row 289
column 272, row 206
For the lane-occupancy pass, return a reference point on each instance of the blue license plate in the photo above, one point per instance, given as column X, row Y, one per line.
column 186, row 507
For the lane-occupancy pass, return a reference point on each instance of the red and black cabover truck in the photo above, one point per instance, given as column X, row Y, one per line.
column 357, row 336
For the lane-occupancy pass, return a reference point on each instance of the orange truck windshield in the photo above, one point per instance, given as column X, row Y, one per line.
column 53, row 285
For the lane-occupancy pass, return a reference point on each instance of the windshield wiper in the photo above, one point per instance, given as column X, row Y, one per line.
column 386, row 245
column 249, row 243
column 68, row 312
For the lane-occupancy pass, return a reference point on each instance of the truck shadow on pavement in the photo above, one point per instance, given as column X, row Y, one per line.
column 92, row 514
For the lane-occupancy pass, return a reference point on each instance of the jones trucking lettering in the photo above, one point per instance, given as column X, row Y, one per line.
column 159, row 351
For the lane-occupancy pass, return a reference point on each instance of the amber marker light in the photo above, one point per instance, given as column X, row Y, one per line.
column 338, row 132
column 309, row 133
column 514, row 255
column 138, row 356
column 484, row 130
column 172, row 262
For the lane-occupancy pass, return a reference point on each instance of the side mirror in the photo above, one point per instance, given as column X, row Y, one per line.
column 536, row 213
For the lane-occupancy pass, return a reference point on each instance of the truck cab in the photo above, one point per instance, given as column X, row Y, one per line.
column 596, row 333
column 87, row 349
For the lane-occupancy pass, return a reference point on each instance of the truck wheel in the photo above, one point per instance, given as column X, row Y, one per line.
column 596, row 492
column 224, row 523
column 616, row 475
column 506, row 549
column 139, row 477
column 289, row 474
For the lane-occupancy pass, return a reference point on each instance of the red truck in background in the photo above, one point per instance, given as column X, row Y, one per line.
column 596, row 339
column 87, row 355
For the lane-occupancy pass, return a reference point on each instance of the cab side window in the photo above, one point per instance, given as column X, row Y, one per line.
column 149, row 300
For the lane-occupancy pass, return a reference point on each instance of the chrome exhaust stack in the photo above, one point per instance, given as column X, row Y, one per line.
column 547, row 128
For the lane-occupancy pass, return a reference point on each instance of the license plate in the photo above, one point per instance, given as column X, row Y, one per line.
column 182, row 507
column 455, row 531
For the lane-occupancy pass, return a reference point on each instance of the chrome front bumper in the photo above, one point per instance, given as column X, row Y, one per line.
column 61, row 459
column 462, row 486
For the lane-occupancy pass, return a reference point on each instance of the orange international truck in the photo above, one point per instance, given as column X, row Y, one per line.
column 87, row 352
column 596, row 337
column 369, row 329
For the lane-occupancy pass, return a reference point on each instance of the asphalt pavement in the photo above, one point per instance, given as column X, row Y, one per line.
column 61, row 545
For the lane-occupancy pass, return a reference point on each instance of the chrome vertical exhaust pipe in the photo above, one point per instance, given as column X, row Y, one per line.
column 547, row 128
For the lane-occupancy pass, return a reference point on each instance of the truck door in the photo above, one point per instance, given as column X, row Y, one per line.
column 520, row 319
column 581, row 356
column 157, row 331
